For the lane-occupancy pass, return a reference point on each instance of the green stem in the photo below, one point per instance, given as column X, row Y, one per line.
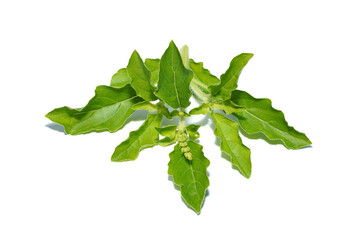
column 182, row 124
column 184, row 52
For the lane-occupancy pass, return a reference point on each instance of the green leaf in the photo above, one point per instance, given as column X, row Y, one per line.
column 169, row 132
column 106, row 111
column 140, row 76
column 192, row 130
column 146, row 136
column 227, row 106
column 228, row 131
column 120, row 79
column 166, row 141
column 202, row 76
column 202, row 109
column 154, row 66
column 260, row 116
column 174, row 79
column 191, row 176
column 164, row 110
column 230, row 78
column 148, row 106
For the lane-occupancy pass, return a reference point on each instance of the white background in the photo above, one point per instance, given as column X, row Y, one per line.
column 56, row 186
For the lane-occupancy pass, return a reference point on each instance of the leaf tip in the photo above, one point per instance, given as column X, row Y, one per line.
column 135, row 53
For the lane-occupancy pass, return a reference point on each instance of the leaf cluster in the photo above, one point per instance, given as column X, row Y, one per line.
column 163, row 87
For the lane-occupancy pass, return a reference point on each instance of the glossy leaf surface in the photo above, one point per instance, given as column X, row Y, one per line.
column 174, row 79
column 191, row 176
column 230, row 78
column 140, row 77
column 146, row 136
column 228, row 131
column 260, row 116
column 107, row 111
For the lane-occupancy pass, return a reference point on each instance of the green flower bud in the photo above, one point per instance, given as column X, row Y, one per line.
column 185, row 149
column 182, row 138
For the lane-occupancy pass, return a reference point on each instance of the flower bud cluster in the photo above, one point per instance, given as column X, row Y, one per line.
column 185, row 149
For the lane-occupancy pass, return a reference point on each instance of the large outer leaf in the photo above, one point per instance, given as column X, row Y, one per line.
column 146, row 136
column 120, row 79
column 174, row 79
column 228, row 131
column 140, row 77
column 190, row 175
column 230, row 78
column 154, row 66
column 106, row 111
column 260, row 116
column 202, row 76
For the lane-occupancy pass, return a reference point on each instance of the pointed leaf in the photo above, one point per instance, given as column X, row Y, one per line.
column 202, row 76
column 174, row 79
column 146, row 136
column 107, row 111
column 227, row 106
column 140, row 77
column 202, row 109
column 154, row 66
column 192, row 130
column 120, row 79
column 260, row 116
column 191, row 176
column 228, row 131
column 230, row 78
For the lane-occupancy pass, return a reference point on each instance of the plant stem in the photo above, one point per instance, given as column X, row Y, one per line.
column 194, row 84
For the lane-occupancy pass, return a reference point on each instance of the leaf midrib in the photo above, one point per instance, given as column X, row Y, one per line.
column 172, row 68
column 139, row 137
column 222, row 132
column 225, row 83
column 115, row 103
column 267, row 123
